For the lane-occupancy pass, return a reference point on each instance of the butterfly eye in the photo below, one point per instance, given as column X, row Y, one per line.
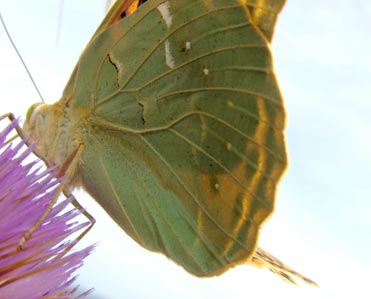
column 32, row 112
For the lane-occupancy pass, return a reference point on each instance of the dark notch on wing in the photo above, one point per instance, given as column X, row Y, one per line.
column 133, row 7
column 122, row 10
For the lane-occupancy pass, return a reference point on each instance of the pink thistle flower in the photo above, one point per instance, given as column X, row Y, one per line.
column 43, row 268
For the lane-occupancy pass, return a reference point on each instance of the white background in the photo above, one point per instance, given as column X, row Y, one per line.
column 322, row 222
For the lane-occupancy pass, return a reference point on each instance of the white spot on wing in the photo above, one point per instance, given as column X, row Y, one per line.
column 165, row 12
column 169, row 58
column 188, row 46
column 164, row 9
column 206, row 71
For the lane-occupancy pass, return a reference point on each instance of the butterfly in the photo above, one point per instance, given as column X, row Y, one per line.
column 173, row 122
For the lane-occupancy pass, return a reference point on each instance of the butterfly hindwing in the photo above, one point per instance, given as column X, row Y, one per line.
column 185, row 145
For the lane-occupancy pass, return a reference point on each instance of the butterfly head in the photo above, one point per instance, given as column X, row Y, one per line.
column 37, row 127
column 34, row 117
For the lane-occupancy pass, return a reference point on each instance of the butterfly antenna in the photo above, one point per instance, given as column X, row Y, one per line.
column 20, row 57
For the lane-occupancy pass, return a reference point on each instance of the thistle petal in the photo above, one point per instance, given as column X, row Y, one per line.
column 44, row 267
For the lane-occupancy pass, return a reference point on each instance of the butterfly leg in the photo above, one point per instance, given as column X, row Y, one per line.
column 18, row 129
column 40, row 221
column 82, row 210
column 65, row 169
column 20, row 133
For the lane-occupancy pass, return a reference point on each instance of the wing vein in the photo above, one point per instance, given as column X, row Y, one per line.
column 113, row 189
column 201, row 150
column 160, row 43
column 176, row 176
